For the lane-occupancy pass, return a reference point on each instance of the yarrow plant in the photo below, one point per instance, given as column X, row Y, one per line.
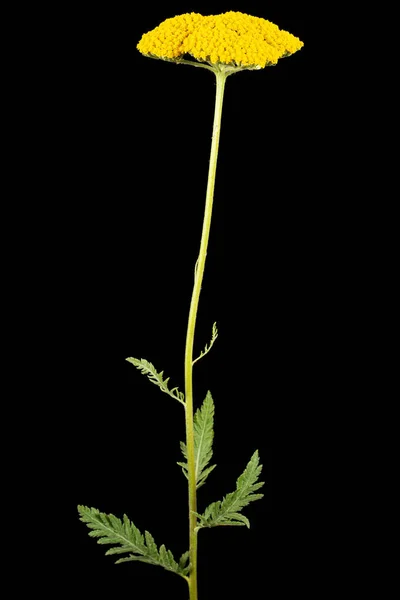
column 223, row 44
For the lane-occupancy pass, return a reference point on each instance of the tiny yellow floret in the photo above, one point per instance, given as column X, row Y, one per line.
column 232, row 38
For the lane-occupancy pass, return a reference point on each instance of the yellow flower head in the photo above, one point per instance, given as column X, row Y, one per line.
column 232, row 38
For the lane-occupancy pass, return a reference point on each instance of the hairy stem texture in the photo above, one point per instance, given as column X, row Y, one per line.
column 221, row 78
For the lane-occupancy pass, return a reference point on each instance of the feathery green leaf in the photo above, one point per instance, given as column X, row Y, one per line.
column 111, row 530
column 203, row 424
column 207, row 348
column 227, row 511
column 184, row 563
column 147, row 368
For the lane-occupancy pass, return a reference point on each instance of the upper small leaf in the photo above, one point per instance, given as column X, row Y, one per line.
column 208, row 347
column 147, row 368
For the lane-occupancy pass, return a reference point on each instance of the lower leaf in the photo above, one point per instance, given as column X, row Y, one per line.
column 111, row 530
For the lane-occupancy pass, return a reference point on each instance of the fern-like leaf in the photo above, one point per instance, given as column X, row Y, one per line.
column 227, row 511
column 147, row 368
column 203, row 424
column 111, row 530
column 208, row 347
column 184, row 563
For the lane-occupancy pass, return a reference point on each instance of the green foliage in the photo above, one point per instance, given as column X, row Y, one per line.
column 147, row 368
column 184, row 563
column 111, row 530
column 227, row 511
column 214, row 336
column 203, row 424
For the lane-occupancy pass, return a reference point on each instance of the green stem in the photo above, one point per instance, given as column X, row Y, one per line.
column 221, row 78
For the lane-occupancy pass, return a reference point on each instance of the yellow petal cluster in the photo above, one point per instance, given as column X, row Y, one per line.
column 231, row 38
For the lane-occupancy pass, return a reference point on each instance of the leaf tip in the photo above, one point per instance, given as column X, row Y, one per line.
column 83, row 509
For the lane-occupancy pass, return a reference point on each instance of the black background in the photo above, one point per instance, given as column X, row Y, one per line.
column 120, row 149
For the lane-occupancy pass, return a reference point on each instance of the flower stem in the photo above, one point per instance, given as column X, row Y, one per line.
column 221, row 78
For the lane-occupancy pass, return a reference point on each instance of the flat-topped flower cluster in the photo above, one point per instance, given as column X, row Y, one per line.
column 231, row 38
